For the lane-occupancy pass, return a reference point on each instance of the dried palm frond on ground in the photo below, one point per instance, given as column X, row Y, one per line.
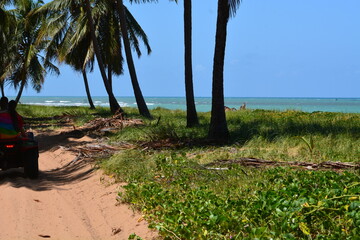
column 97, row 150
column 116, row 122
column 253, row 162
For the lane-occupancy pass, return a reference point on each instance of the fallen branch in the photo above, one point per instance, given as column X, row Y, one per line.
column 254, row 162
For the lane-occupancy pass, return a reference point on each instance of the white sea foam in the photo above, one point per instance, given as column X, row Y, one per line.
column 31, row 103
column 150, row 104
column 53, row 103
column 124, row 104
column 79, row 104
column 204, row 104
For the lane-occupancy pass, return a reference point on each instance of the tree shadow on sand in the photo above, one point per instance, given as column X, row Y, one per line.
column 49, row 141
column 75, row 171
column 48, row 180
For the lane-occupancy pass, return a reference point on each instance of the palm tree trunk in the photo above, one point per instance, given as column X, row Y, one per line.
column 110, row 76
column 191, row 115
column 114, row 105
column 2, row 89
column 143, row 109
column 87, row 90
column 218, row 126
column 22, row 85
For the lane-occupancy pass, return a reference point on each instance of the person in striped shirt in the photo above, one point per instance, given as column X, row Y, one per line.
column 11, row 123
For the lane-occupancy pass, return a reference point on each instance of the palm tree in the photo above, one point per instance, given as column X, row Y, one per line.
column 107, row 29
column 109, row 38
column 81, row 13
column 114, row 105
column 143, row 109
column 70, row 37
column 27, row 65
column 191, row 115
column 81, row 59
column 218, row 126
column 66, row 45
column 7, row 21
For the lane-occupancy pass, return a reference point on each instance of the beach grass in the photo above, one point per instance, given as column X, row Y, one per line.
column 169, row 181
column 271, row 135
column 54, row 115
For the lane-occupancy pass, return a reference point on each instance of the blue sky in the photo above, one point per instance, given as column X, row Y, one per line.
column 277, row 48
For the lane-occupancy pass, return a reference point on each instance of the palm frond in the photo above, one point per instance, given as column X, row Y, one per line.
column 51, row 67
column 134, row 42
column 137, row 30
column 55, row 5
column 234, row 5
column 36, row 75
column 143, row 1
column 89, row 59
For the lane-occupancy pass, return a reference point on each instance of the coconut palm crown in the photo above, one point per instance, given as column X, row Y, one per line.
column 26, row 64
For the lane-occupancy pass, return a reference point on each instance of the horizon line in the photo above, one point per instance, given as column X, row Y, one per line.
column 184, row 96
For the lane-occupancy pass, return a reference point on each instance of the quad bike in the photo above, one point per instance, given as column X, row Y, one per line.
column 20, row 152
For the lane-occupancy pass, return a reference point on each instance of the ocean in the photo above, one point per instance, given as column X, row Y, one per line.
column 203, row 104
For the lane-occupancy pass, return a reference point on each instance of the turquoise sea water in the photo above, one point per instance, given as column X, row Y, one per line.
column 203, row 104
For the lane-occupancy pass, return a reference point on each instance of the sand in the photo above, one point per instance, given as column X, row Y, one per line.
column 69, row 200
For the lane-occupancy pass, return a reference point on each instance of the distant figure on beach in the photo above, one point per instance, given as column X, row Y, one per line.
column 227, row 108
column 243, row 106
column 4, row 102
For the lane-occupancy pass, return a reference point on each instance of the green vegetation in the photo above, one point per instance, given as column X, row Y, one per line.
column 34, row 111
column 185, row 203
column 270, row 135
column 169, row 182
column 54, row 115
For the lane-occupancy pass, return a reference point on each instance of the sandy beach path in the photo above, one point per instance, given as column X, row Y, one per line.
column 68, row 201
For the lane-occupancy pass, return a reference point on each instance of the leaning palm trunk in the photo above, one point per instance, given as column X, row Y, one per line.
column 218, row 125
column 143, row 109
column 110, row 77
column 21, row 89
column 2, row 89
column 114, row 105
column 191, row 115
column 87, row 89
